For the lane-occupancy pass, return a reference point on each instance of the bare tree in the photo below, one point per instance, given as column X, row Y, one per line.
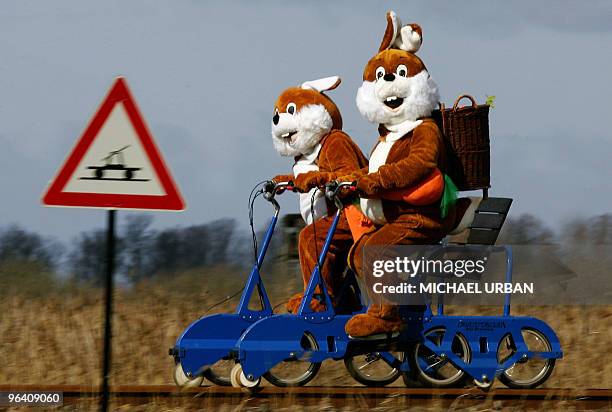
column 88, row 258
column 137, row 241
column 165, row 252
column 20, row 245
column 219, row 235
column 526, row 230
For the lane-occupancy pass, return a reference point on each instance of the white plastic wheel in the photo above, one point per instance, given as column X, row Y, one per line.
column 239, row 380
column 182, row 380
column 235, row 375
column 485, row 386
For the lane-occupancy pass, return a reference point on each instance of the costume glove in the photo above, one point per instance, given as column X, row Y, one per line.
column 282, row 178
column 369, row 185
column 306, row 181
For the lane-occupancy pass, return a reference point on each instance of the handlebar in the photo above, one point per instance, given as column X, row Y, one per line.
column 271, row 188
column 332, row 188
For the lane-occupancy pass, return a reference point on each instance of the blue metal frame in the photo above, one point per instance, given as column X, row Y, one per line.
column 260, row 340
column 271, row 340
column 317, row 280
column 255, row 280
column 212, row 338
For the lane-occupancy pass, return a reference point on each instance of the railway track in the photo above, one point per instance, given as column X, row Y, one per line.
column 316, row 396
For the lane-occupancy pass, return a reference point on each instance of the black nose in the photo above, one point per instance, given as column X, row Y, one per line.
column 275, row 118
column 389, row 77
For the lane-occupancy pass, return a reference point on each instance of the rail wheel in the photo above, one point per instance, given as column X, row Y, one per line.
column 295, row 372
column 219, row 373
column 527, row 373
column 435, row 370
column 182, row 380
column 484, row 384
column 371, row 369
column 240, row 380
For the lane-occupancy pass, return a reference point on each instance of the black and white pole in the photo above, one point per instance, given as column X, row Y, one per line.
column 108, row 308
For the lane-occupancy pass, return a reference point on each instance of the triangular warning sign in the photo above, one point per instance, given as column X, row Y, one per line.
column 115, row 164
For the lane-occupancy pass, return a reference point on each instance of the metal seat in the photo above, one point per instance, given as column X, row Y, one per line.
column 481, row 222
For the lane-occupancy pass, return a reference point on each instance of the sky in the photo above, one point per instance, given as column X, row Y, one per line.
column 206, row 75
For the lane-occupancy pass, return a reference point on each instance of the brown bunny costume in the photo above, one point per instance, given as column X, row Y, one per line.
column 307, row 125
column 399, row 95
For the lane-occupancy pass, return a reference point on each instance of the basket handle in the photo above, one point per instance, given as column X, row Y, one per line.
column 442, row 108
column 463, row 96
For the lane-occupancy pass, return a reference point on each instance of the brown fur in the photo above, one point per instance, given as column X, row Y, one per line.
column 338, row 155
column 407, row 229
column 417, row 28
column 378, row 319
column 411, row 159
column 389, row 35
column 303, row 97
column 390, row 59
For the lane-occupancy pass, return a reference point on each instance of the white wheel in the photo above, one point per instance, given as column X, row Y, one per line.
column 235, row 375
column 484, row 385
column 239, row 380
column 183, row 381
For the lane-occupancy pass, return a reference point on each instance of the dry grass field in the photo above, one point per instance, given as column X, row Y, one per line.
column 55, row 337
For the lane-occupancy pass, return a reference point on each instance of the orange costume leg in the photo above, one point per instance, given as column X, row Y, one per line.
column 311, row 241
column 383, row 317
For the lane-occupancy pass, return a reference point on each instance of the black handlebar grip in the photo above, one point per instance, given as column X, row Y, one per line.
column 269, row 186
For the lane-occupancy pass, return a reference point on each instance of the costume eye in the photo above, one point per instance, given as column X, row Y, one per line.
column 401, row 70
column 291, row 108
column 380, row 72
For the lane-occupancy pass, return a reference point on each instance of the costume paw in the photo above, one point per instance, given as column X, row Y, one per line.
column 296, row 300
column 283, row 178
column 306, row 181
column 369, row 185
column 293, row 304
column 365, row 325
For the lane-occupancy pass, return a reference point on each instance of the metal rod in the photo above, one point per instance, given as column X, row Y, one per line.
column 254, row 277
column 267, row 239
column 108, row 307
column 329, row 238
column 509, row 263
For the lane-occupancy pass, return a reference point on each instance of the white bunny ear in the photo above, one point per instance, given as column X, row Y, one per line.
column 410, row 38
column 324, row 84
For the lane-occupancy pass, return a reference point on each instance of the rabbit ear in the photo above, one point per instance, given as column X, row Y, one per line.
column 410, row 38
column 393, row 25
column 322, row 85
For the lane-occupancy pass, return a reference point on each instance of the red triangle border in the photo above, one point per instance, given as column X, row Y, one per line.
column 172, row 200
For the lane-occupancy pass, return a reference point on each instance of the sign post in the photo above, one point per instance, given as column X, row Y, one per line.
column 115, row 164
column 108, row 306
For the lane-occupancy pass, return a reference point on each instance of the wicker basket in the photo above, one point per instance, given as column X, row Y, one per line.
column 466, row 131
